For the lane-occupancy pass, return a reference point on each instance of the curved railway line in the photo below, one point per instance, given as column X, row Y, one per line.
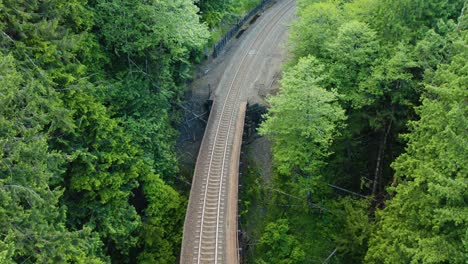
column 205, row 231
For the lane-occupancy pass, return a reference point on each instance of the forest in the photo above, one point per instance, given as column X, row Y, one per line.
column 89, row 101
column 369, row 138
column 369, row 131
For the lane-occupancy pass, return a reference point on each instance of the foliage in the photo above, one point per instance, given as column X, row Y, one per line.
column 32, row 219
column 354, row 228
column 278, row 245
column 409, row 19
column 150, row 49
column 162, row 229
column 318, row 23
column 302, row 122
column 302, row 112
column 101, row 171
column 135, row 28
column 427, row 219
column 353, row 52
column 213, row 11
column 369, row 65
column 86, row 134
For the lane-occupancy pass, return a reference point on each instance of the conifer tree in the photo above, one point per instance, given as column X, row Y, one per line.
column 427, row 219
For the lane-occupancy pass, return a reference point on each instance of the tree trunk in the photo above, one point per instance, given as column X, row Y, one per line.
column 378, row 166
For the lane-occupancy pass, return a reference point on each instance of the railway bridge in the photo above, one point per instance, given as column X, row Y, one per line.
column 210, row 229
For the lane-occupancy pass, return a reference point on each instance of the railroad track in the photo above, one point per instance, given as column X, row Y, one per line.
column 210, row 234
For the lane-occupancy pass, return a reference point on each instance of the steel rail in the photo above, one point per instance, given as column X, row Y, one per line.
column 231, row 111
column 233, row 116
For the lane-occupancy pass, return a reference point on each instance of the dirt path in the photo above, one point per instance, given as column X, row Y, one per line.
column 248, row 74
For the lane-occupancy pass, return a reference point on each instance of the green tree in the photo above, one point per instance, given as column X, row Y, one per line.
column 213, row 11
column 152, row 39
column 278, row 246
column 353, row 53
column 353, row 228
column 96, row 164
column 407, row 20
column 150, row 46
column 374, row 61
column 146, row 116
column 302, row 119
column 32, row 219
column 427, row 219
column 162, row 230
column 318, row 23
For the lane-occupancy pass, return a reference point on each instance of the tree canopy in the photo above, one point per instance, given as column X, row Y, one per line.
column 368, row 133
column 86, row 135
column 427, row 219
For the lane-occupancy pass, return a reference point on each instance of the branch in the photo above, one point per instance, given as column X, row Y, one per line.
column 290, row 195
column 380, row 157
column 13, row 186
column 330, row 256
column 348, row 191
column 461, row 15
column 193, row 113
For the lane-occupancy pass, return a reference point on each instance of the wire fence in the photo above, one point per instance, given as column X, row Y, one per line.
column 221, row 44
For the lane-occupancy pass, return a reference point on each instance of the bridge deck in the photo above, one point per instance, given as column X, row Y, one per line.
column 210, row 224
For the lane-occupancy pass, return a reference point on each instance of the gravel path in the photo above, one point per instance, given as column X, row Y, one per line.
column 253, row 64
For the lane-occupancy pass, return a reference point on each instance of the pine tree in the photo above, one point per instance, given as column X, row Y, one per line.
column 427, row 219
column 32, row 220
